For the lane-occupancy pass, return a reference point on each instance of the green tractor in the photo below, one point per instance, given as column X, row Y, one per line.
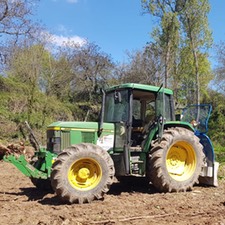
column 136, row 135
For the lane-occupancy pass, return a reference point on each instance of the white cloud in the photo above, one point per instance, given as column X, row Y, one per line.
column 53, row 40
column 61, row 40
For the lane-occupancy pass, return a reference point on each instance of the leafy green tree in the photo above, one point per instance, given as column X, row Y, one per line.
column 217, row 119
column 26, row 67
column 166, row 35
column 184, row 88
column 198, row 37
column 26, row 94
column 217, row 99
column 184, row 37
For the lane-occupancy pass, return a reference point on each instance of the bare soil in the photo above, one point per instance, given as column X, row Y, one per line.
column 130, row 202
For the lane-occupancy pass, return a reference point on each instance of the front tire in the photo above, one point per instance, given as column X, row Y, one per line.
column 175, row 163
column 82, row 173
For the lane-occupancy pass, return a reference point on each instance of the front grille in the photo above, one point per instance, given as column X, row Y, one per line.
column 58, row 140
column 65, row 139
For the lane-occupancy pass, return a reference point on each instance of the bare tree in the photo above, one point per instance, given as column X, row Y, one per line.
column 145, row 66
column 15, row 17
column 15, row 23
column 92, row 70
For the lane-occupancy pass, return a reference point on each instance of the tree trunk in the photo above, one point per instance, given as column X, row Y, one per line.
column 197, row 83
column 194, row 52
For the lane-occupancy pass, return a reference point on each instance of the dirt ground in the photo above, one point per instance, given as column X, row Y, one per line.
column 132, row 202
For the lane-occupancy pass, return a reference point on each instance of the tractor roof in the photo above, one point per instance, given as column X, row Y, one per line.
column 143, row 87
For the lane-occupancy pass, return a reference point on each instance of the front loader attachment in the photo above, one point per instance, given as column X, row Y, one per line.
column 36, row 165
column 23, row 166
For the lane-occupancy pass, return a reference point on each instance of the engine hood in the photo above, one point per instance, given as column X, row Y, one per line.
column 77, row 125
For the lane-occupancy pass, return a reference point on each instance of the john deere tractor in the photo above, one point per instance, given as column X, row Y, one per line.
column 136, row 135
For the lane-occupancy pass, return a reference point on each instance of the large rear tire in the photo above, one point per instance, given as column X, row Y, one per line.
column 82, row 173
column 175, row 163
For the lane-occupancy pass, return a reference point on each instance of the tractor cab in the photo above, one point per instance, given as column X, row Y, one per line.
column 137, row 112
column 131, row 111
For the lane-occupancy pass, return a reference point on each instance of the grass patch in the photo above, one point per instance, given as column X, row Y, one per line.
column 220, row 157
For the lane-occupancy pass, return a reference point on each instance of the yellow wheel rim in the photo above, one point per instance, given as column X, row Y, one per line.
column 181, row 161
column 85, row 174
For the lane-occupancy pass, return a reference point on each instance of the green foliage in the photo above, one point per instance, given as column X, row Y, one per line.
column 184, row 37
column 14, row 110
column 42, row 88
column 217, row 125
column 216, row 130
column 219, row 149
column 185, row 79
column 219, row 152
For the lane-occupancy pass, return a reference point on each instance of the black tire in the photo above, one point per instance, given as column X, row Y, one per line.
column 82, row 173
column 175, row 163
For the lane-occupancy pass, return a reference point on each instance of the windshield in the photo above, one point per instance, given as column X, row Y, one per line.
column 116, row 110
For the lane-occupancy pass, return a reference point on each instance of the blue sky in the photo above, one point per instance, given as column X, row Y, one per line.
column 116, row 26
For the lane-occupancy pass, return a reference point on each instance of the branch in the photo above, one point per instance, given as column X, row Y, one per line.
column 161, row 5
column 5, row 11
